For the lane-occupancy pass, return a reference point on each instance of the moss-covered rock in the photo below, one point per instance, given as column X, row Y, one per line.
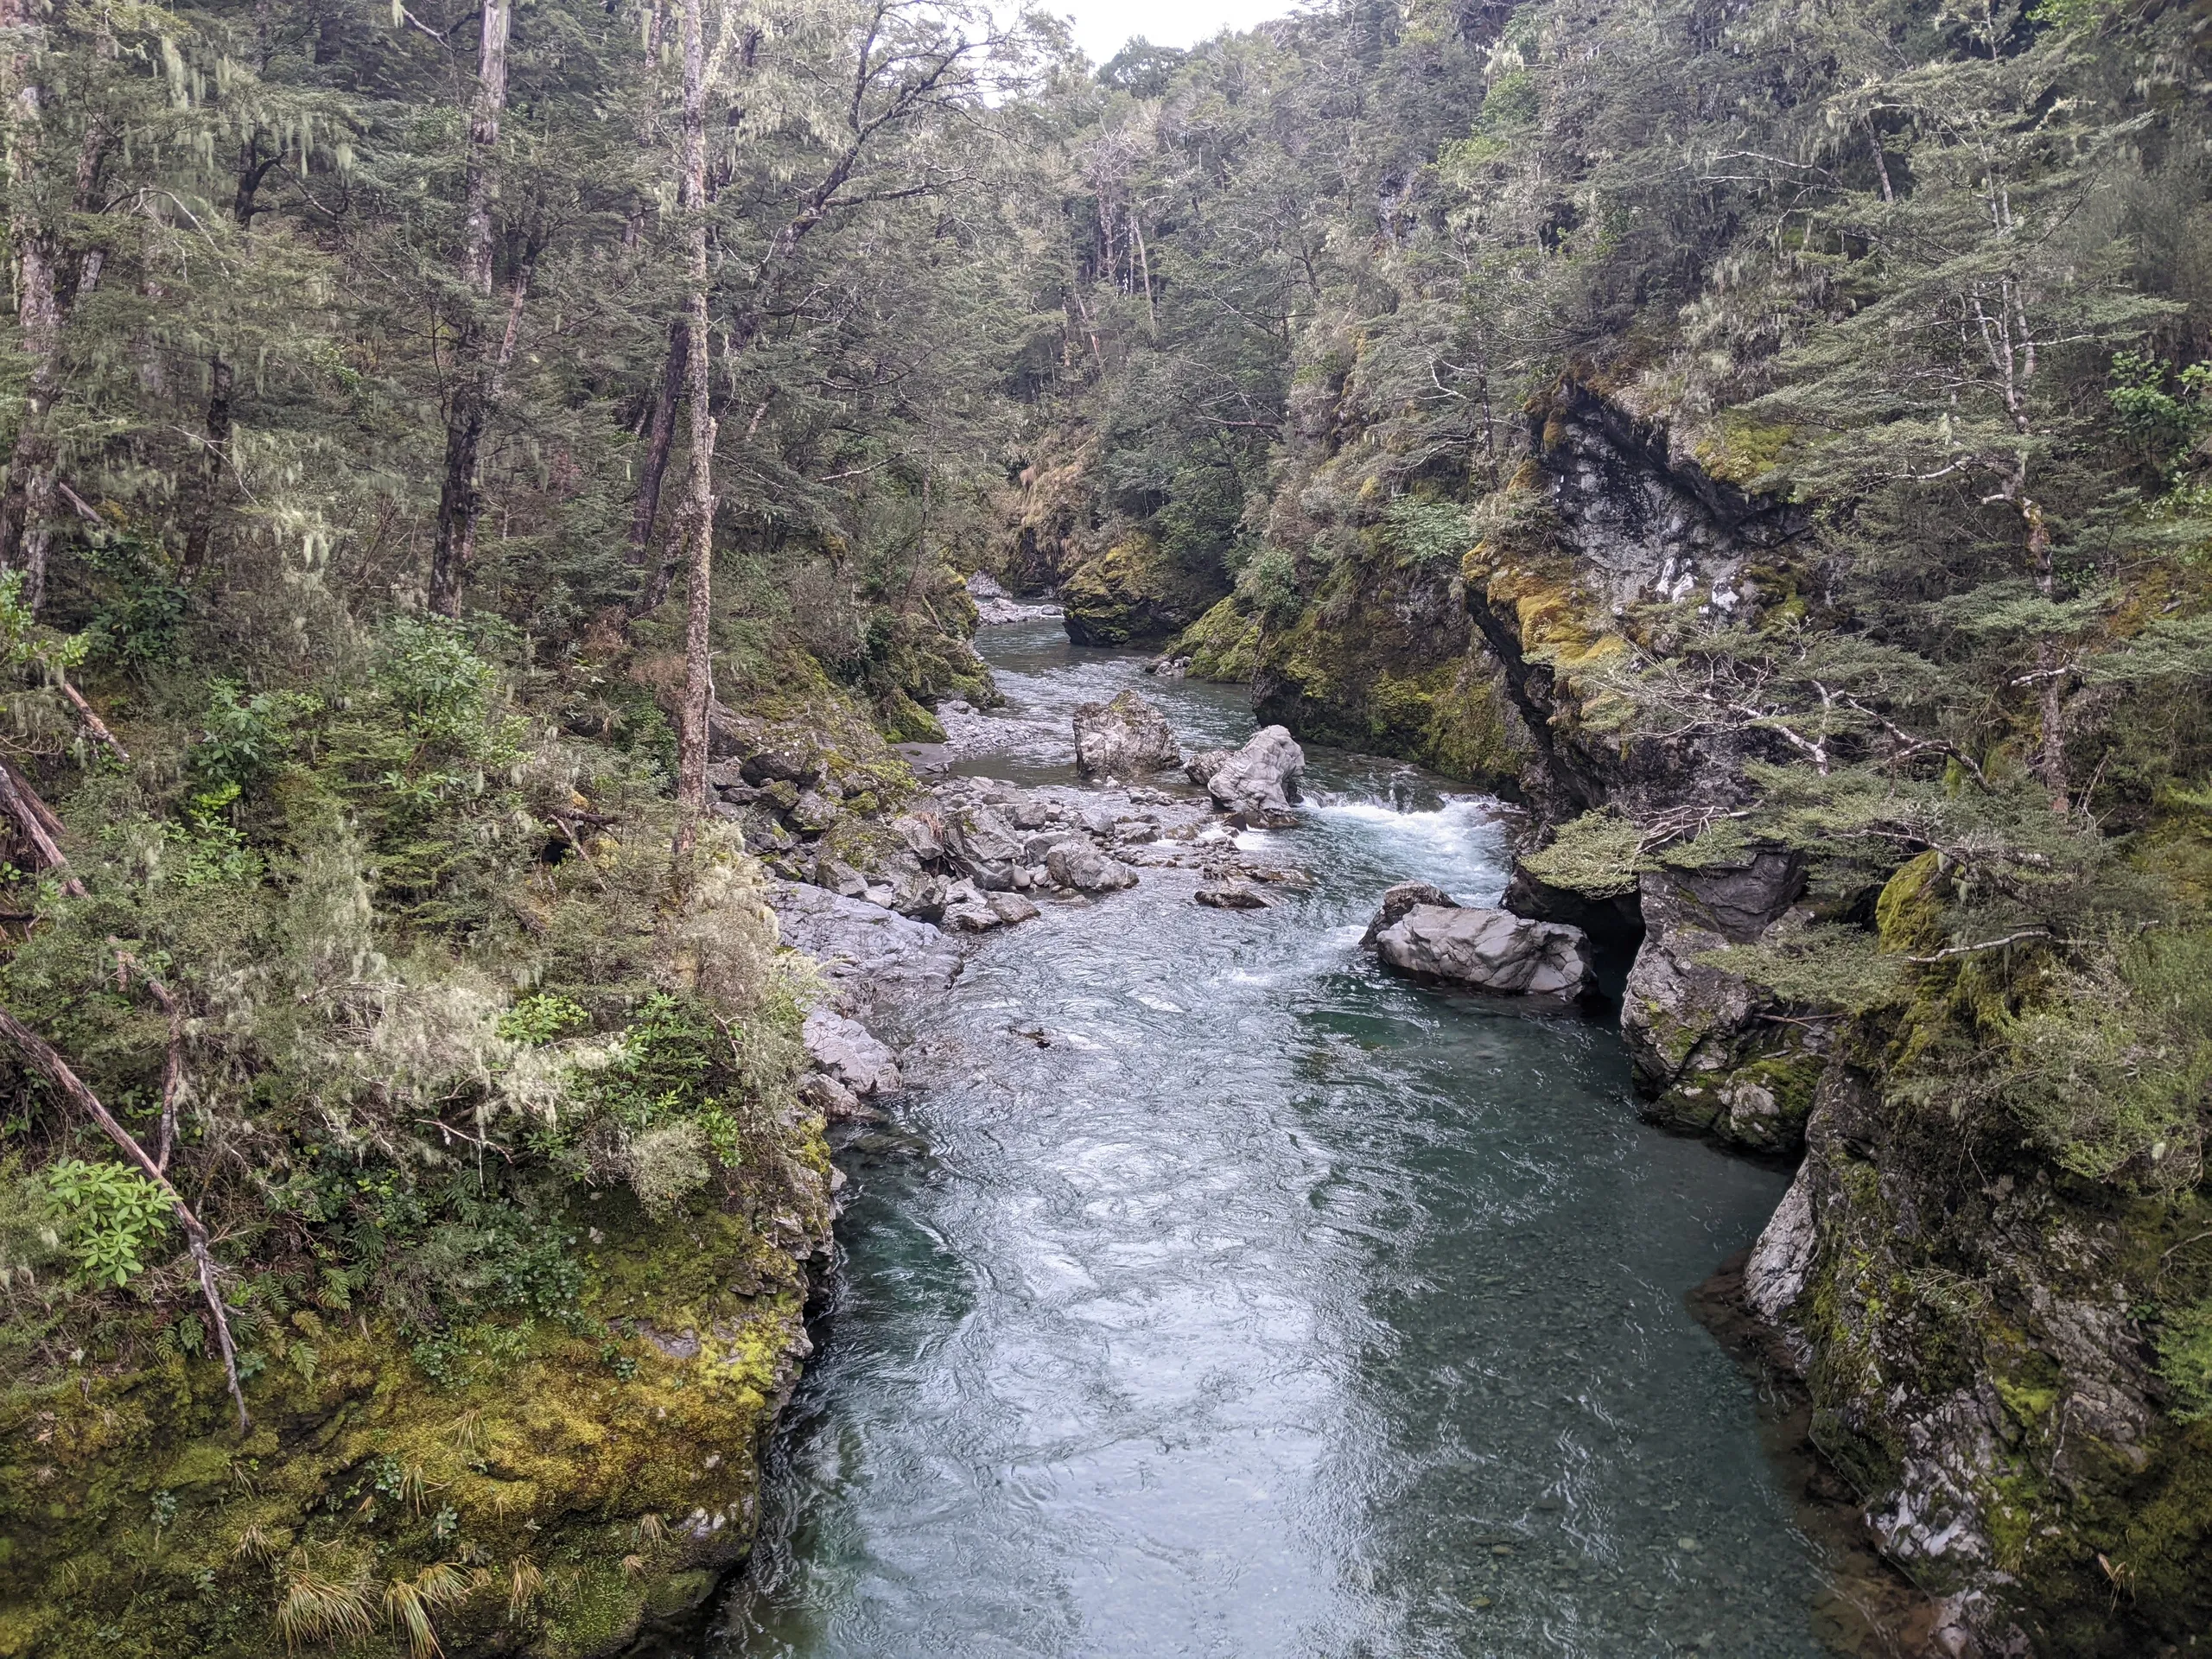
column 558, row 1484
column 1384, row 662
column 1223, row 644
column 1133, row 593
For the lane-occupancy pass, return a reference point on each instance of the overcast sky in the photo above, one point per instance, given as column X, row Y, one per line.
column 1103, row 26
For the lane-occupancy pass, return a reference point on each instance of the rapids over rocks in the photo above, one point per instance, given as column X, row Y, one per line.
column 1214, row 1291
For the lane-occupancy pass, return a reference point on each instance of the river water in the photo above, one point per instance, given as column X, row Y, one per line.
column 1272, row 1306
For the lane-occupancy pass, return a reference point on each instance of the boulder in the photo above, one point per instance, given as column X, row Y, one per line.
column 995, row 606
column 784, row 763
column 915, row 892
column 1397, row 901
column 1199, row 768
column 1231, row 893
column 844, row 1048
column 1012, row 908
column 813, row 813
column 1125, row 738
column 923, row 834
column 839, row 877
column 855, row 940
column 1489, row 951
column 1079, row 865
column 833, row 1100
column 1258, row 782
column 1706, row 1056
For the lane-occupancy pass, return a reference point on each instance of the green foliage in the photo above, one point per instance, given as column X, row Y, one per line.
column 137, row 608
column 245, row 739
column 1598, row 855
column 2185, row 1359
column 26, row 645
column 2110, row 1063
column 2164, row 423
column 1268, row 586
column 1421, row 532
column 110, row 1216
column 1822, row 966
column 536, row 1020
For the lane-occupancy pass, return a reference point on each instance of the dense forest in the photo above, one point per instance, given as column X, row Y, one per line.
column 1771, row 441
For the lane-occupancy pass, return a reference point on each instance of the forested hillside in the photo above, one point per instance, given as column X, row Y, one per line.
column 402, row 1177
column 1772, row 443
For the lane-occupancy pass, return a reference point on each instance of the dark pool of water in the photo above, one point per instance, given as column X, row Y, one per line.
column 1277, row 1306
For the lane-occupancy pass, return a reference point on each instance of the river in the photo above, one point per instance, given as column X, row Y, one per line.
column 1272, row 1306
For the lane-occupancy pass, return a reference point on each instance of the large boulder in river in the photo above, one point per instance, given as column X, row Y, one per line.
column 1397, row 901
column 1258, row 782
column 1491, row 951
column 1199, row 768
column 1126, row 738
column 1077, row 864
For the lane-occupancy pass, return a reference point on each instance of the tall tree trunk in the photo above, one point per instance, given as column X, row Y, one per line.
column 658, row 437
column 27, row 513
column 698, row 679
column 27, row 519
column 207, row 496
column 2051, row 670
column 201, row 521
column 474, row 365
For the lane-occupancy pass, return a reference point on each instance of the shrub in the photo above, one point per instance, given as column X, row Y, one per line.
column 111, row 1215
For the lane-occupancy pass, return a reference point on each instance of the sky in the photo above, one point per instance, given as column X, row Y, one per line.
column 1103, row 26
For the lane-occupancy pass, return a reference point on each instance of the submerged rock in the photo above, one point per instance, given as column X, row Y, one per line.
column 1125, row 738
column 1258, row 782
column 1489, row 951
column 1232, row 892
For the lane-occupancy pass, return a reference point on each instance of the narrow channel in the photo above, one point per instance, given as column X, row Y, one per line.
column 1213, row 1293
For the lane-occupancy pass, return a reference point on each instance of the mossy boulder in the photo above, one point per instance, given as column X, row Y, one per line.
column 1714, row 1052
column 1223, row 644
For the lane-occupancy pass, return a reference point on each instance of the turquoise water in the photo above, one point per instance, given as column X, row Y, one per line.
column 1274, row 1307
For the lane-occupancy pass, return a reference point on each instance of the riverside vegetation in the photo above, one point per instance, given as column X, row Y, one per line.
column 1769, row 439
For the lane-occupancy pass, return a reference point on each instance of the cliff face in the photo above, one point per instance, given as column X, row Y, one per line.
column 1972, row 1322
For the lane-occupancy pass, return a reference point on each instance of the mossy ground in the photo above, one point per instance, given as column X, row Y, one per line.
column 577, row 1475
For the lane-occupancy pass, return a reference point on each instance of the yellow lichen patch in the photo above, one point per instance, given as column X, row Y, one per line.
column 1554, row 619
column 1743, row 451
